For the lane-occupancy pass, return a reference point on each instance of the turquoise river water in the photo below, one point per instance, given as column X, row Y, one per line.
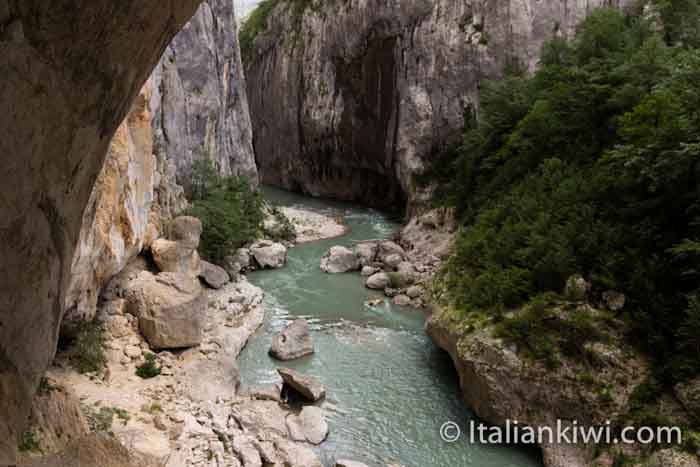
column 390, row 389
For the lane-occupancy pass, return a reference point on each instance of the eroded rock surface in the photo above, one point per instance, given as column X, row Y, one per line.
column 64, row 91
column 293, row 342
column 376, row 89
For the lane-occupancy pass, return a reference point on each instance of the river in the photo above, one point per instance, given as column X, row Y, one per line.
column 390, row 389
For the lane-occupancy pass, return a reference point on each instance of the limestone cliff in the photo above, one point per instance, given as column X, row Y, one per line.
column 194, row 105
column 199, row 102
column 69, row 70
column 350, row 99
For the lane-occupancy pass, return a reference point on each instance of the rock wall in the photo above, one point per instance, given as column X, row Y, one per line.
column 199, row 102
column 194, row 105
column 350, row 99
column 70, row 71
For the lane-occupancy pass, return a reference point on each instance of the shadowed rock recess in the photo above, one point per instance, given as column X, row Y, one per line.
column 350, row 99
column 70, row 71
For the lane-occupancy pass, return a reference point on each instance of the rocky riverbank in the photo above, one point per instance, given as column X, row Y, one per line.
column 500, row 381
column 191, row 410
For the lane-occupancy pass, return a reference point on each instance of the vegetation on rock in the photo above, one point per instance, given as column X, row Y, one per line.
column 87, row 351
column 590, row 166
column 148, row 369
column 230, row 210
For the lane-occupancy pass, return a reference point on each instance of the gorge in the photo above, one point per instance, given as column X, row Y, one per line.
column 125, row 119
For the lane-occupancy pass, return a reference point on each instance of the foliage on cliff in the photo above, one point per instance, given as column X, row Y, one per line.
column 590, row 166
column 256, row 22
column 230, row 211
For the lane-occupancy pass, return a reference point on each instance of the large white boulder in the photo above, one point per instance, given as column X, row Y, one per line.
column 378, row 281
column 308, row 386
column 169, row 307
column 339, row 259
column 269, row 255
column 293, row 342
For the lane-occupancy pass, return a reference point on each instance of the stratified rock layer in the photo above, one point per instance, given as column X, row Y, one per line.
column 350, row 99
column 70, row 72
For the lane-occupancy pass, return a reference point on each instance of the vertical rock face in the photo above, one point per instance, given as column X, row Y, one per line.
column 350, row 99
column 199, row 99
column 69, row 73
column 194, row 105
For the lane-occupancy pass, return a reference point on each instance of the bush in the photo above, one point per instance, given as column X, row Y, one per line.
column 591, row 166
column 253, row 25
column 87, row 351
column 230, row 211
column 148, row 369
column 29, row 443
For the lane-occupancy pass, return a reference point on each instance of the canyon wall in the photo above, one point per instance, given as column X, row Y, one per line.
column 351, row 99
column 193, row 106
column 70, row 72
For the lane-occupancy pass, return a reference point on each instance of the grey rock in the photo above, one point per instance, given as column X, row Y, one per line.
column 339, row 259
column 368, row 271
column 172, row 256
column 308, row 386
column 310, row 425
column 170, row 308
column 269, row 392
column 293, row 342
column 390, row 249
column 366, row 252
column 269, row 255
column 214, row 276
column 59, row 119
column 414, row 291
column 378, row 281
column 392, row 261
column 186, row 230
column 199, row 98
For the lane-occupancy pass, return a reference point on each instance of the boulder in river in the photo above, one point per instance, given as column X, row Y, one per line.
column 378, row 281
column 213, row 275
column 308, row 386
column 339, row 259
column 414, row 291
column 294, row 341
column 366, row 252
column 369, row 270
column 388, row 248
column 269, row 255
column 392, row 261
column 310, row 425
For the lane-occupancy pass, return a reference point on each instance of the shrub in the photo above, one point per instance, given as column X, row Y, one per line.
column 148, row 369
column 396, row 280
column 87, row 351
column 231, row 212
column 590, row 167
column 29, row 443
column 253, row 25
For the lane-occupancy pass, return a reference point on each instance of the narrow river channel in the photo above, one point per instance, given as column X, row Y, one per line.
column 389, row 388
